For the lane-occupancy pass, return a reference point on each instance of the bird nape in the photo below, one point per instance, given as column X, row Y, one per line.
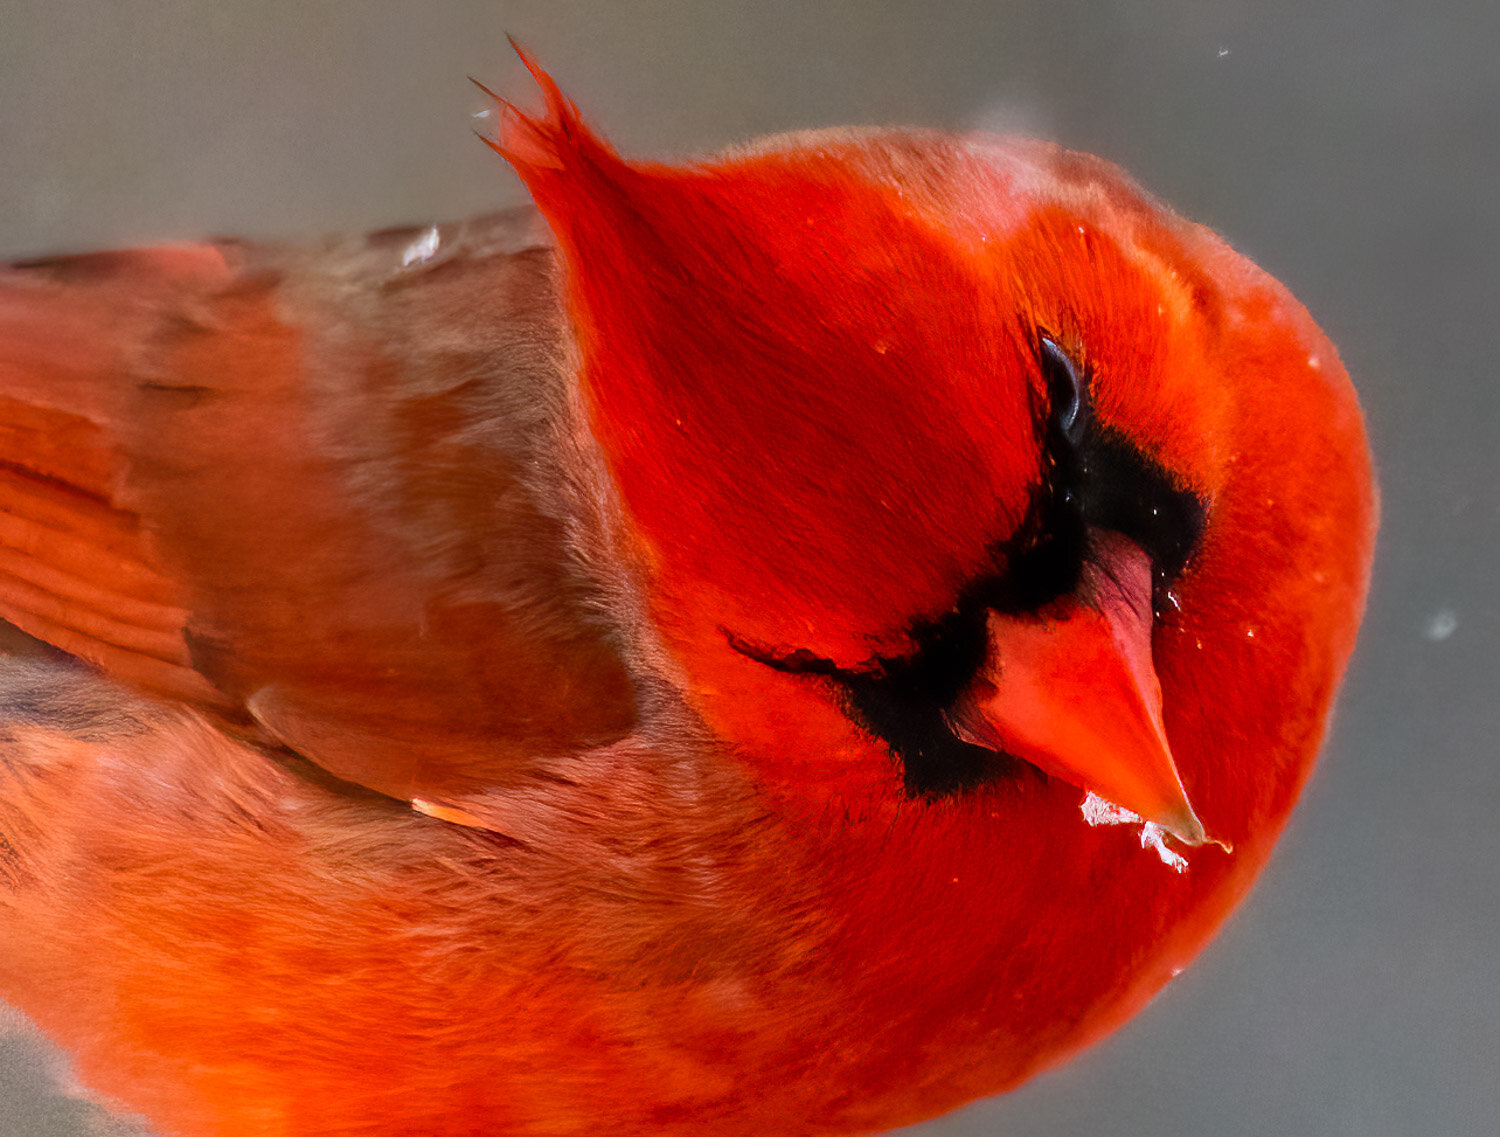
column 788, row 643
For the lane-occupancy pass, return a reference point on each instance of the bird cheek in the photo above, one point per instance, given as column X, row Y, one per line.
column 789, row 730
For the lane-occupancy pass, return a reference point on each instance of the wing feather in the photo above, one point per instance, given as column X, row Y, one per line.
column 317, row 490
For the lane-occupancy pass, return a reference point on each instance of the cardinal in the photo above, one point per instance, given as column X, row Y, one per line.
column 782, row 644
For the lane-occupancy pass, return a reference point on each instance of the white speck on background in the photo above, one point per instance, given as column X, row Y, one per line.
column 1441, row 624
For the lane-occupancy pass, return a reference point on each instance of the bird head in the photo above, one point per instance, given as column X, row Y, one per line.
column 938, row 453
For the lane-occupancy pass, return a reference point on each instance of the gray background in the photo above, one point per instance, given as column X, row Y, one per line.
column 1352, row 148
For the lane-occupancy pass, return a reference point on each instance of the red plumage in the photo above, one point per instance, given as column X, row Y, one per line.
column 539, row 687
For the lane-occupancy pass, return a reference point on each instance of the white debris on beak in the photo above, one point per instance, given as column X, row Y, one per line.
column 1097, row 811
column 424, row 248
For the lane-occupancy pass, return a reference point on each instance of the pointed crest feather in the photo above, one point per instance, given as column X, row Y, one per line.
column 532, row 143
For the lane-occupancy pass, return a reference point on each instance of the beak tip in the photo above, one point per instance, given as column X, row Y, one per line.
column 1186, row 827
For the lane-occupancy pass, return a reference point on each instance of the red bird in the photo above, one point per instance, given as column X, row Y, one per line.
column 675, row 673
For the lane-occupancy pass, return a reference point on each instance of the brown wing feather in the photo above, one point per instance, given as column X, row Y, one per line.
column 319, row 489
column 76, row 566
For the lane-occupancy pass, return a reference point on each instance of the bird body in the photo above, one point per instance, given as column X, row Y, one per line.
column 638, row 663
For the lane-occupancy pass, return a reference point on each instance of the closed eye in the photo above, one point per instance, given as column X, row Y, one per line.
column 1095, row 479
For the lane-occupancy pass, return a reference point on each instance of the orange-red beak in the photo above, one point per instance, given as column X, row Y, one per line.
column 1075, row 693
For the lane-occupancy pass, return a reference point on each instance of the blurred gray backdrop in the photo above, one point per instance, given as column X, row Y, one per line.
column 1351, row 148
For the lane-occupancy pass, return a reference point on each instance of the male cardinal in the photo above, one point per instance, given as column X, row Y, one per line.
column 667, row 670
